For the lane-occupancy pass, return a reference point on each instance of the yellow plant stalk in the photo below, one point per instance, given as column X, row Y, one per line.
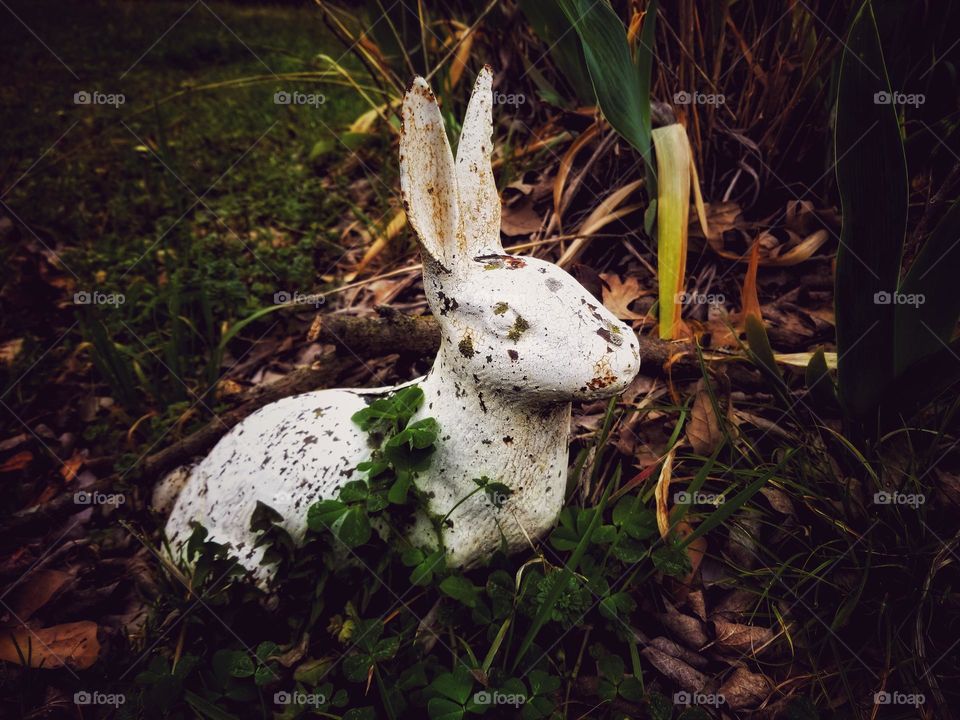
column 673, row 211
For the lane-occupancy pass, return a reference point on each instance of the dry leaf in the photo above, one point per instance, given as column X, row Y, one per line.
column 520, row 219
column 566, row 162
column 617, row 295
column 11, row 442
column 393, row 227
column 721, row 217
column 17, row 462
column 740, row 639
column 72, row 466
column 686, row 629
column 695, row 551
column 744, row 689
column 35, row 591
column 602, row 215
column 735, row 604
column 750, row 302
column 703, row 427
column 10, row 351
column 678, row 651
column 315, row 327
column 661, row 492
column 778, row 500
column 697, row 603
column 72, row 644
column 678, row 671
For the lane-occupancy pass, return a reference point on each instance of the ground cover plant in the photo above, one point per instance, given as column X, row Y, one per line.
column 199, row 214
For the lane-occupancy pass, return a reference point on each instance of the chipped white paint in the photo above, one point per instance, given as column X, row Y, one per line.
column 520, row 340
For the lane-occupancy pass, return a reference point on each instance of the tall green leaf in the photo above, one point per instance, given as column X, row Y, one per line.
column 926, row 326
column 872, row 181
column 551, row 27
column 622, row 87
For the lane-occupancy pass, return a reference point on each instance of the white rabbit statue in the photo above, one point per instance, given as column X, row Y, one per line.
column 520, row 340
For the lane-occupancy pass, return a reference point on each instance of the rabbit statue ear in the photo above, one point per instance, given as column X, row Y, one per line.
column 479, row 200
column 427, row 175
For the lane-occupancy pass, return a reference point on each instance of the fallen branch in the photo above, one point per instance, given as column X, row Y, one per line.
column 386, row 333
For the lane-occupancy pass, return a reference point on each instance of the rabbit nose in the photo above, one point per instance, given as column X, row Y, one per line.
column 626, row 357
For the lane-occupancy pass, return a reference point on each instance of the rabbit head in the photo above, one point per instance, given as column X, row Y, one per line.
column 520, row 325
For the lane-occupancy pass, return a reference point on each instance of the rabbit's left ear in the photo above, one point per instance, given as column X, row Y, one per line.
column 428, row 177
column 477, row 190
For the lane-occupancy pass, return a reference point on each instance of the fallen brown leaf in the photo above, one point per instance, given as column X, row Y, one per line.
column 744, row 689
column 17, row 462
column 660, row 494
column 688, row 630
column 10, row 351
column 71, row 467
column 703, row 427
column 740, row 639
column 675, row 669
column 35, row 591
column 73, row 645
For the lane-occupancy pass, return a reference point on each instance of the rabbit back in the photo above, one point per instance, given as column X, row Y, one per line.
column 288, row 455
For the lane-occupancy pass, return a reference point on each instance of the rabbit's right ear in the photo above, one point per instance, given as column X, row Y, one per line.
column 428, row 175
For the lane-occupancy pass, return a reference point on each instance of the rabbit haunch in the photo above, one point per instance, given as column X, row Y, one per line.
column 520, row 339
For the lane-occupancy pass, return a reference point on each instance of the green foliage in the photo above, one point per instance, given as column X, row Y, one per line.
column 348, row 614
column 621, row 83
column 890, row 327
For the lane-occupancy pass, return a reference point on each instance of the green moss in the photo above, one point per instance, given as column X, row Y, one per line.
column 500, row 308
column 520, row 326
column 466, row 347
